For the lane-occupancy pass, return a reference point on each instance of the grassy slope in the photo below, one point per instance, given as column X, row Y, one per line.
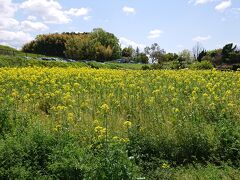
column 21, row 61
column 9, row 61
column 7, row 48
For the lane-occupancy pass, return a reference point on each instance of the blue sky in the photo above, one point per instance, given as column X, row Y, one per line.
column 174, row 24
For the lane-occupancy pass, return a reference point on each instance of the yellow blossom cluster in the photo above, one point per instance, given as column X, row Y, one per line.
column 83, row 95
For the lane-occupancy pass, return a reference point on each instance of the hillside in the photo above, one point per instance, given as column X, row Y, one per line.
column 34, row 60
column 7, row 48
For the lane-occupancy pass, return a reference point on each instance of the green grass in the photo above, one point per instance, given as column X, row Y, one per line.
column 196, row 172
column 7, row 48
column 132, row 66
column 113, row 65
column 13, row 61
column 21, row 61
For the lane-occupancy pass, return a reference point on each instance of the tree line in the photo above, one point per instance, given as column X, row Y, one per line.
column 103, row 46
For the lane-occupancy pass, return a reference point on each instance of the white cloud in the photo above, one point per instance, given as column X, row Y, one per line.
column 15, row 33
column 7, row 8
column 33, row 26
column 202, row 38
column 7, row 12
column 86, row 18
column 32, row 18
column 51, row 11
column 223, row 5
column 15, row 39
column 128, row 10
column 127, row 42
column 202, row 1
column 7, row 23
column 153, row 34
column 78, row 12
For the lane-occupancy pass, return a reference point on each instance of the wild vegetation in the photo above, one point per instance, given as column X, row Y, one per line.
column 63, row 123
column 102, row 117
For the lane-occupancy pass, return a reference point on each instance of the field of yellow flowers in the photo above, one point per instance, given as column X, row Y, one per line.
column 110, row 124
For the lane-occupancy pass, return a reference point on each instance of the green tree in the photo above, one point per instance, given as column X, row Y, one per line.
column 128, row 52
column 215, row 56
column 201, row 55
column 106, row 39
column 137, row 51
column 141, row 58
column 227, row 50
column 50, row 44
column 171, row 57
column 186, row 56
column 103, row 53
column 79, row 48
column 155, row 53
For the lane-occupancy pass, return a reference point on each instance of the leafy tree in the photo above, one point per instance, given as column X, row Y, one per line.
column 227, row 50
column 171, row 57
column 128, row 52
column 137, row 51
column 155, row 53
column 185, row 55
column 50, row 44
column 103, row 53
column 142, row 58
column 201, row 55
column 106, row 39
column 79, row 48
column 215, row 56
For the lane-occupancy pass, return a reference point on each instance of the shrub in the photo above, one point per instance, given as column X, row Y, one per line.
column 157, row 66
column 145, row 67
column 236, row 67
column 201, row 65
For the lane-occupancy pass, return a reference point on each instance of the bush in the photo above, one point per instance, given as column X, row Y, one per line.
column 202, row 65
column 37, row 152
column 236, row 67
column 177, row 65
column 157, row 66
column 145, row 67
column 25, row 156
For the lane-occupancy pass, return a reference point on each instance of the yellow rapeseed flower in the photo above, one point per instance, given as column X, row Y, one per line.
column 165, row 166
column 127, row 124
column 105, row 108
